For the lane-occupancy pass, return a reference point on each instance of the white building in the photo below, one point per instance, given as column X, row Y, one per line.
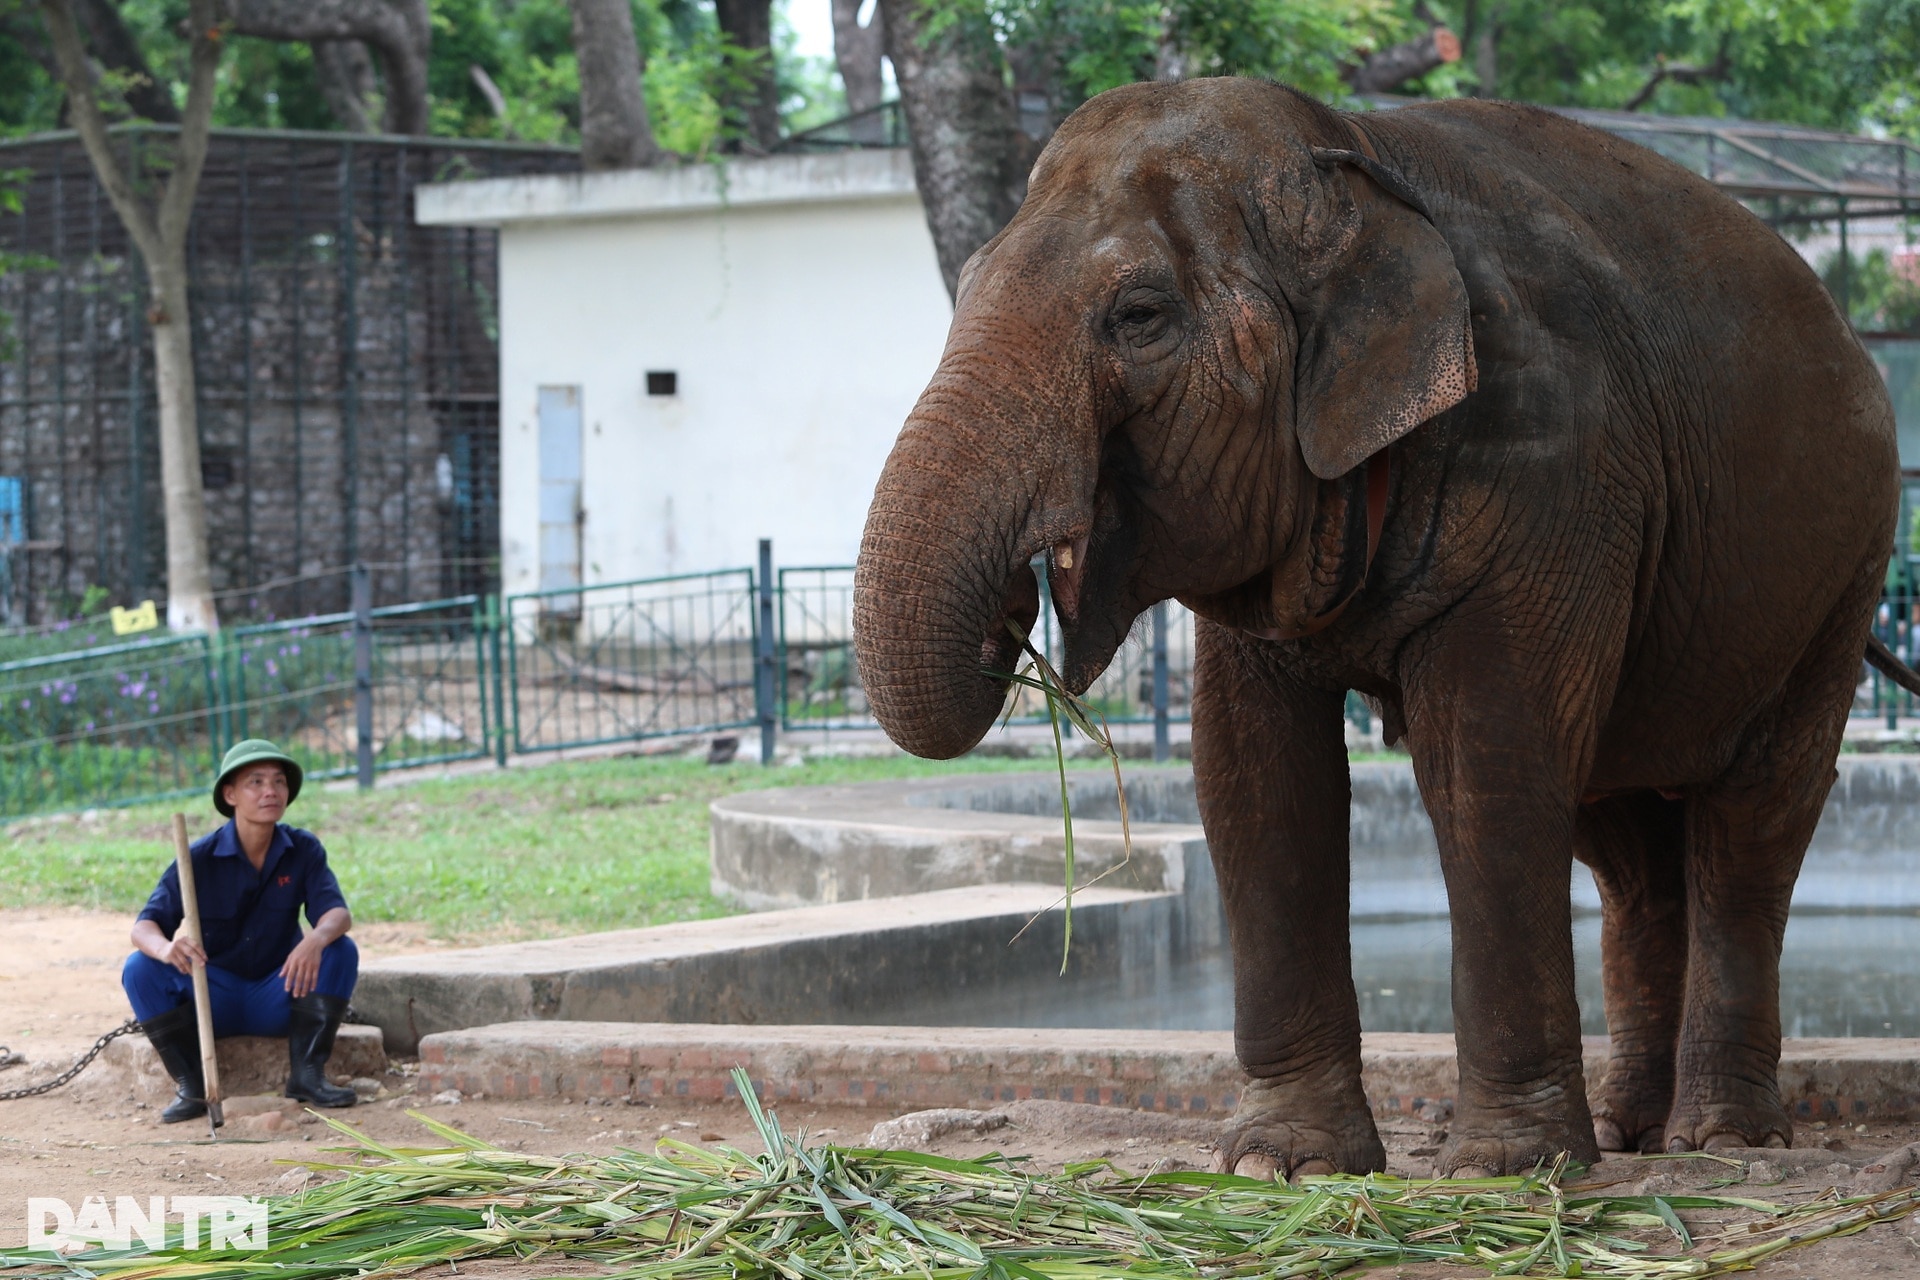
column 692, row 359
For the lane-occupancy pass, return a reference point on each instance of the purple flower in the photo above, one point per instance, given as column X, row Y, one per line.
column 24, row 704
column 273, row 668
column 295, row 650
column 66, row 697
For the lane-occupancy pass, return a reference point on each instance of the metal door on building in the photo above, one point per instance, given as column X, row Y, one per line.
column 561, row 514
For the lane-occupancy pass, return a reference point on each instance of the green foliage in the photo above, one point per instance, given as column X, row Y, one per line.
column 1879, row 292
column 1844, row 64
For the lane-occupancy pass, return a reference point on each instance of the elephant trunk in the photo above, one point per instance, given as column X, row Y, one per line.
column 944, row 565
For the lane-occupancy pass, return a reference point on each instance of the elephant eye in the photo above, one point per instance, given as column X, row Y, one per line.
column 1140, row 323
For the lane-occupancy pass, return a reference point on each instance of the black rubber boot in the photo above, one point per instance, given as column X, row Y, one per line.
column 176, row 1038
column 312, row 1022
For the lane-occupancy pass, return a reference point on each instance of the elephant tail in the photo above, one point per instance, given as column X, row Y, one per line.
column 1881, row 659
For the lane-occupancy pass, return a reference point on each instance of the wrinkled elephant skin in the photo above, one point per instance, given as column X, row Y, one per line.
column 1633, row 482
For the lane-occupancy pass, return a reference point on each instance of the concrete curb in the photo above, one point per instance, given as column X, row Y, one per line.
column 910, row 1068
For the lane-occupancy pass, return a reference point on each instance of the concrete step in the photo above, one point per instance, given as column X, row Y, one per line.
column 899, row 1069
column 876, row 960
column 248, row 1065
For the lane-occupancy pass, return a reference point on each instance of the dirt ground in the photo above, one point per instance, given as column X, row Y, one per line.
column 59, row 989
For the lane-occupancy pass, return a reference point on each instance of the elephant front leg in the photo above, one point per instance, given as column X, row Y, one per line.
column 1270, row 769
column 1502, row 805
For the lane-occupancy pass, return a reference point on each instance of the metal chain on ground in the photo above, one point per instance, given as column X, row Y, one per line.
column 126, row 1028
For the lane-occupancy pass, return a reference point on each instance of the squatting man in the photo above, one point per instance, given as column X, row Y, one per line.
column 251, row 877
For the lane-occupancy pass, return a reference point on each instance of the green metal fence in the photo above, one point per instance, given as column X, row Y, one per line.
column 445, row 680
column 118, row 724
column 820, row 682
column 629, row 660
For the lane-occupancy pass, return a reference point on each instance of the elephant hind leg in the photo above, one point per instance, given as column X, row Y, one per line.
column 1746, row 835
column 1636, row 847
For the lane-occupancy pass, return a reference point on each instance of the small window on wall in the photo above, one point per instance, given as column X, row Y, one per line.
column 663, row 382
column 216, row 467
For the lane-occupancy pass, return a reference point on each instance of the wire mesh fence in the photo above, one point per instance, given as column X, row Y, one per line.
column 346, row 365
column 122, row 723
column 632, row 660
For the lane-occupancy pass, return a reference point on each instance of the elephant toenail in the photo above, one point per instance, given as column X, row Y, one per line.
column 1469, row 1172
column 1775, row 1140
column 1609, row 1136
column 1312, row 1169
column 1257, row 1164
column 1677, row 1143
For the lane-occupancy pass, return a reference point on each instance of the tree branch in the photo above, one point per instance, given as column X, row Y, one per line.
column 400, row 32
column 345, row 73
column 176, row 204
column 1396, row 64
column 114, row 46
column 70, row 56
column 1684, row 73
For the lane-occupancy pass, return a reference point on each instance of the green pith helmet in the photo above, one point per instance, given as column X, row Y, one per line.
column 254, row 751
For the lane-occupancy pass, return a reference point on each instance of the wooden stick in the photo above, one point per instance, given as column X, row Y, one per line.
column 202, row 1004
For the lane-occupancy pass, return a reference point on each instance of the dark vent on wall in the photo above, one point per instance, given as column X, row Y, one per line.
column 663, row 382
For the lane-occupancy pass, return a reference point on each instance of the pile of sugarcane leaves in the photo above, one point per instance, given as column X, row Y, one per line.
column 802, row 1212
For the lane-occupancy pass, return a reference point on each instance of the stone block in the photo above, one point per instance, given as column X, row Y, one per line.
column 249, row 1065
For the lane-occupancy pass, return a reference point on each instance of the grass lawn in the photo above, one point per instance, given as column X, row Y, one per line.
column 522, row 853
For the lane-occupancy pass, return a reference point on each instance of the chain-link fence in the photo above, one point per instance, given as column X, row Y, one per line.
column 347, row 693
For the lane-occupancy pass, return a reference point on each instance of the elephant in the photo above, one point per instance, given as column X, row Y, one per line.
column 1560, row 457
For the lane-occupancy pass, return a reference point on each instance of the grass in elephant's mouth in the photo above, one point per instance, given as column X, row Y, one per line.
column 1040, row 676
column 814, row 1212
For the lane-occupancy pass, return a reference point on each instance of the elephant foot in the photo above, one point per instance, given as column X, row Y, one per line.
column 1275, row 1136
column 1630, row 1122
column 1727, row 1127
column 1506, row 1150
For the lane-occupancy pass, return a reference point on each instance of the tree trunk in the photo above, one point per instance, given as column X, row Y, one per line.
column 857, row 50
column 115, row 47
column 399, row 32
column 960, row 121
column 189, row 583
column 1394, row 65
column 159, row 232
column 614, row 131
column 345, row 73
column 750, row 99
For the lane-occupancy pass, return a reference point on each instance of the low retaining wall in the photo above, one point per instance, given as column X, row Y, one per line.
column 937, row 958
column 897, row 1069
column 803, row 845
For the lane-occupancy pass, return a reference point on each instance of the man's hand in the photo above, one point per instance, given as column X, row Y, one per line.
column 182, row 954
column 302, row 970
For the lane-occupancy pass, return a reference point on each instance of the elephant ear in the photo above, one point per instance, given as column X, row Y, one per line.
column 1385, row 341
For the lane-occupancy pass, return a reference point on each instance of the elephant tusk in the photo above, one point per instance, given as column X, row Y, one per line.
column 1063, row 555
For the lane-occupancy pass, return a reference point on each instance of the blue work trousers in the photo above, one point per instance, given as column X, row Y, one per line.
column 241, row 1006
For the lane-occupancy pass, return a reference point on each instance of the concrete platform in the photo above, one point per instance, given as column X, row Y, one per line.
column 248, row 1065
column 926, row 957
column 900, row 1069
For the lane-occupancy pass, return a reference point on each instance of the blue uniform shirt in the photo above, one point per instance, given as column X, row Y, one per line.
column 250, row 921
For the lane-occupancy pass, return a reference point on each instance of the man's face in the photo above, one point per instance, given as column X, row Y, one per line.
column 258, row 793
